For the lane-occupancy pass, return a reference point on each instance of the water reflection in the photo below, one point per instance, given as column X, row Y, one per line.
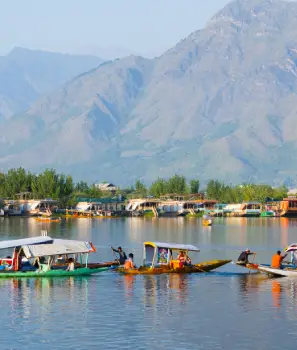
column 276, row 293
column 174, row 286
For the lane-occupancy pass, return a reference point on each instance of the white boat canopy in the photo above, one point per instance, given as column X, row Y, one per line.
column 58, row 247
column 173, row 246
column 25, row 241
column 291, row 247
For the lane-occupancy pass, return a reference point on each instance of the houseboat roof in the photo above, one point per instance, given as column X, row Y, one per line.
column 251, row 202
column 58, row 247
column 173, row 246
column 99, row 200
column 25, row 241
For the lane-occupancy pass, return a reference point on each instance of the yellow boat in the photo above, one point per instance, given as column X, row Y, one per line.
column 47, row 219
column 158, row 258
column 207, row 222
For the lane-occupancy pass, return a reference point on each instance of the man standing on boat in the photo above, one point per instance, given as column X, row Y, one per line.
column 243, row 258
column 122, row 255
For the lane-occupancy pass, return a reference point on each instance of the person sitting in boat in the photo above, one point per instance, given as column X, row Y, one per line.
column 182, row 259
column 71, row 266
column 129, row 264
column 243, row 258
column 42, row 265
column 122, row 255
column 277, row 259
column 188, row 261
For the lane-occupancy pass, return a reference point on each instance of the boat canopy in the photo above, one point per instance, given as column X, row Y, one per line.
column 25, row 241
column 159, row 253
column 58, row 247
column 172, row 246
column 292, row 247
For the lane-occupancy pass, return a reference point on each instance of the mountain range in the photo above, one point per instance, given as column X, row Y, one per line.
column 220, row 104
column 26, row 74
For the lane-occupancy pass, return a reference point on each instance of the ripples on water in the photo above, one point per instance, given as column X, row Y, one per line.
column 227, row 309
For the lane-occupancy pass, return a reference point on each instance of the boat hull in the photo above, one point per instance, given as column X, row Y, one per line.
column 197, row 268
column 249, row 266
column 287, row 272
column 51, row 273
column 90, row 265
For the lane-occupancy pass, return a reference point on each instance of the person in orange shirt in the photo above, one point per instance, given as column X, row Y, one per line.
column 129, row 264
column 277, row 260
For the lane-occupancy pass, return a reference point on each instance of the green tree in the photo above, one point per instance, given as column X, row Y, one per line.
column 140, row 189
column 194, row 186
column 158, row 188
column 177, row 184
column 215, row 189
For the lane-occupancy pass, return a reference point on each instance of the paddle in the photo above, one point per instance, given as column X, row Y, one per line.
column 115, row 255
column 252, row 261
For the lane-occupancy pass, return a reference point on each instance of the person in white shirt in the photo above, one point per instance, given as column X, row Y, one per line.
column 71, row 266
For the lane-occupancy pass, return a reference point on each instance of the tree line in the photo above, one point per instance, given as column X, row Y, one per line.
column 50, row 184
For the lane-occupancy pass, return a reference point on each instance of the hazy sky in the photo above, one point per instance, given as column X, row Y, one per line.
column 142, row 26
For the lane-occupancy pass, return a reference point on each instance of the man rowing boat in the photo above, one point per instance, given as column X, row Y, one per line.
column 243, row 258
column 122, row 255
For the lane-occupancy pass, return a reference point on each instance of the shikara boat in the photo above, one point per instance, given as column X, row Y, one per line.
column 286, row 270
column 207, row 220
column 47, row 219
column 37, row 250
column 250, row 266
column 158, row 258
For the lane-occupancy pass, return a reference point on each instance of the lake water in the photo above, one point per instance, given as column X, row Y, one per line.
column 226, row 309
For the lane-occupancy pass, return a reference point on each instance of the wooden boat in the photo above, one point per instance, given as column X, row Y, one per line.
column 85, row 271
column 286, row 270
column 90, row 265
column 271, row 271
column 47, row 219
column 250, row 266
column 35, row 249
column 158, row 259
column 207, row 220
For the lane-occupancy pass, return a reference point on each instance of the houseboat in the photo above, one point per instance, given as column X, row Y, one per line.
column 245, row 209
column 288, row 207
column 30, row 207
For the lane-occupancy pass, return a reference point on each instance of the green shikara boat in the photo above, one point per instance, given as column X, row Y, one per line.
column 37, row 250
column 52, row 273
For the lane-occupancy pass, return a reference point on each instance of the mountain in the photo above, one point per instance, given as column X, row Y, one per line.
column 221, row 104
column 27, row 74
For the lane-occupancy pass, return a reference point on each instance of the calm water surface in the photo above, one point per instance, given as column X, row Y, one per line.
column 227, row 309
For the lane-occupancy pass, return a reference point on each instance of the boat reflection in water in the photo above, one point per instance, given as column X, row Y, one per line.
column 129, row 282
column 276, row 290
column 170, row 286
column 45, row 292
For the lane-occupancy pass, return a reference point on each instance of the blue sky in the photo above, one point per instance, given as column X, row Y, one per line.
column 146, row 27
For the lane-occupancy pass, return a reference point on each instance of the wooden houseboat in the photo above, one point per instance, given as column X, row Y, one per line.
column 288, row 207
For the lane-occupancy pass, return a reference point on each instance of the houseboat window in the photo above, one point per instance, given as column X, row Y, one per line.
column 293, row 204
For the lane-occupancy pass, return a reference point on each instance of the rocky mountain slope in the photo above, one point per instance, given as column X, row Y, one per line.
column 26, row 74
column 220, row 104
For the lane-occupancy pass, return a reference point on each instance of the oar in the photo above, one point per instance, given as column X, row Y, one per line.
column 199, row 268
column 252, row 261
column 115, row 255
